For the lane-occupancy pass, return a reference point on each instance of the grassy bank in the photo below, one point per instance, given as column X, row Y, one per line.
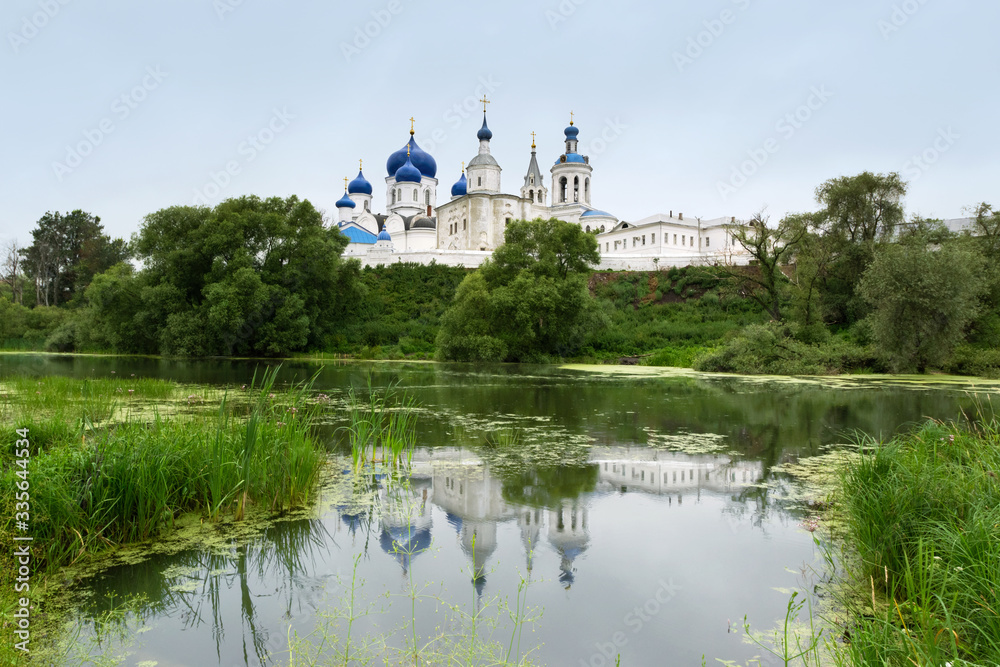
column 102, row 463
column 922, row 516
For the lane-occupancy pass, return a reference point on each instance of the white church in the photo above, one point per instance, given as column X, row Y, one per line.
column 465, row 230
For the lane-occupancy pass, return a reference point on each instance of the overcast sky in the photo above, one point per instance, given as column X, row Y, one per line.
column 712, row 108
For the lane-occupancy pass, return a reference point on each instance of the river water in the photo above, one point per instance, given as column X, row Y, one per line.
column 640, row 515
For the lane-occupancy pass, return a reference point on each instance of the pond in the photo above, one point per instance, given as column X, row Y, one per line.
column 638, row 514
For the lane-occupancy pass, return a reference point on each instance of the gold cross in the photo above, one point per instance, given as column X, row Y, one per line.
column 485, row 102
column 463, row 167
column 361, row 165
column 570, row 117
column 345, row 182
column 411, row 124
column 532, row 139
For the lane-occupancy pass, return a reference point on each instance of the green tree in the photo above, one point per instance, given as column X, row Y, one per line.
column 249, row 277
column 528, row 302
column 923, row 297
column 859, row 212
column 67, row 251
column 768, row 248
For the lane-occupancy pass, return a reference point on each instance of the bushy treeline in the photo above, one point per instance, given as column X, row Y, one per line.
column 851, row 287
column 857, row 286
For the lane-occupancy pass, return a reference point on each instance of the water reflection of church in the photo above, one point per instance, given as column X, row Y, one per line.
column 475, row 502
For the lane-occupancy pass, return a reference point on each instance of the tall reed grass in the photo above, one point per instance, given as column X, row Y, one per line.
column 382, row 426
column 97, row 484
column 923, row 518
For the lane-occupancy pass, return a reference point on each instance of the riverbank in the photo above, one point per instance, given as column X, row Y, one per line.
column 90, row 466
column 693, row 317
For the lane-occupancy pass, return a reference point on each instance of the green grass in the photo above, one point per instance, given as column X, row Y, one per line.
column 107, row 467
column 923, row 519
column 382, row 426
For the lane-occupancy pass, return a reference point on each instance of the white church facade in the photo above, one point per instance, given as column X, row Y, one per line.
column 465, row 230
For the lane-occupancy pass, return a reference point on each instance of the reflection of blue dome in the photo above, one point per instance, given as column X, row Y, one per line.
column 454, row 520
column 384, row 235
column 360, row 185
column 572, row 131
column 345, row 202
column 460, row 188
column 484, row 133
column 421, row 159
column 408, row 173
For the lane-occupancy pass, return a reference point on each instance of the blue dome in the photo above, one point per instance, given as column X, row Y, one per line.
column 345, row 202
column 408, row 173
column 461, row 187
column 572, row 131
column 572, row 157
column 384, row 235
column 360, row 185
column 484, row 133
column 421, row 159
column 596, row 213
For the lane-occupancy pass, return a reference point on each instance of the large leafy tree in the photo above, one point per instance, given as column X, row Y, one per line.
column 768, row 248
column 529, row 302
column 923, row 296
column 67, row 251
column 859, row 213
column 249, row 277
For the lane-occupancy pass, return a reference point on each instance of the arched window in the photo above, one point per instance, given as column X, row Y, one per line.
column 586, row 190
column 576, row 188
column 414, row 194
column 367, row 208
column 480, row 180
column 588, row 229
column 562, row 189
column 602, row 228
column 465, row 223
column 531, row 180
column 393, row 196
column 531, row 195
column 427, row 197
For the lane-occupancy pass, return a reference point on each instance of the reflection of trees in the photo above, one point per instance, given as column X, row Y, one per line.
column 275, row 564
column 548, row 487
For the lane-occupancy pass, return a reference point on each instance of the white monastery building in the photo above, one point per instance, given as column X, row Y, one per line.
column 465, row 230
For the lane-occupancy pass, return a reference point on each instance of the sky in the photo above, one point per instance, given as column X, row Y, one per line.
column 711, row 108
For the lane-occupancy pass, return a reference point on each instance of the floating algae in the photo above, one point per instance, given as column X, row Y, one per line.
column 688, row 443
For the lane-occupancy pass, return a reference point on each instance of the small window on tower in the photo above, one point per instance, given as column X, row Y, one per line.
column 675, row 239
column 708, row 241
column 480, row 180
column 652, row 239
column 465, row 223
column 414, row 194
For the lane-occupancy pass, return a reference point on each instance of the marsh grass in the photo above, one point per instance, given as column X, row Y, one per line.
column 923, row 523
column 382, row 426
column 97, row 484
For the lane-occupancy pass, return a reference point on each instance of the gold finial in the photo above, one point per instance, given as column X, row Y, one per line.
column 570, row 117
column 532, row 141
column 345, row 182
column 407, row 150
column 412, row 121
column 463, row 167
column 361, row 165
column 485, row 102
